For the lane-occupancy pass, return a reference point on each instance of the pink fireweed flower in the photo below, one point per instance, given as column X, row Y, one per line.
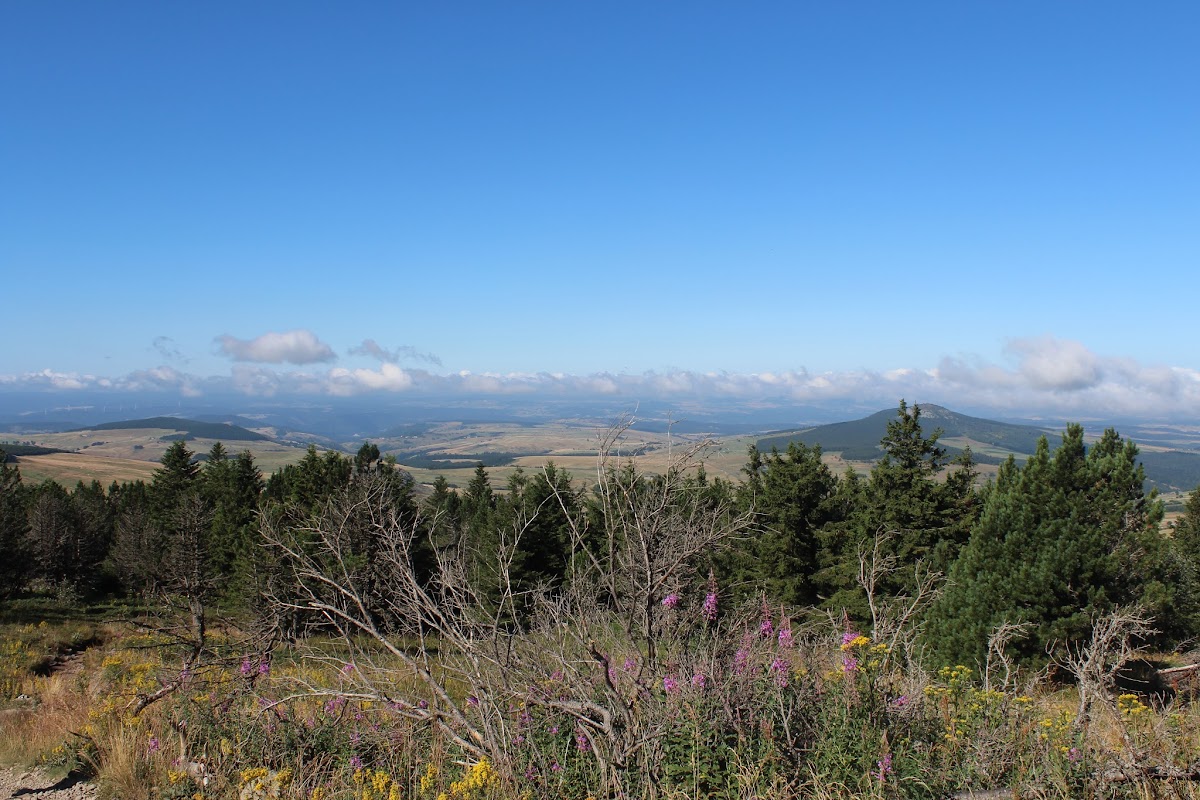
column 740, row 661
column 699, row 681
column 849, row 636
column 671, row 600
column 780, row 668
column 849, row 664
column 709, row 609
column 785, row 636
column 766, row 628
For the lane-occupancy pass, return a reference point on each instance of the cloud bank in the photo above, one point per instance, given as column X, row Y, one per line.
column 1042, row 375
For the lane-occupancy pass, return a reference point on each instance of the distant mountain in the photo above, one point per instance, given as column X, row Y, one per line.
column 858, row 440
column 990, row 441
column 200, row 430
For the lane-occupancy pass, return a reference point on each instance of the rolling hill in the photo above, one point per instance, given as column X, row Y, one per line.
column 990, row 442
column 200, row 430
column 858, row 440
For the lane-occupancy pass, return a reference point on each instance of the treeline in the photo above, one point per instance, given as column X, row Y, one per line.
column 1045, row 547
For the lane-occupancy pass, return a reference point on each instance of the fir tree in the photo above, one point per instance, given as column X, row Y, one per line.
column 792, row 497
column 1061, row 539
column 14, row 526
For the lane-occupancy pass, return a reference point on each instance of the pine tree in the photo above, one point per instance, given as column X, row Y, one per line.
column 792, row 496
column 14, row 527
column 173, row 480
column 1061, row 539
column 917, row 518
column 232, row 489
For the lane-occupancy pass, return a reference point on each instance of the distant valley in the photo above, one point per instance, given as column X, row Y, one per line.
column 433, row 440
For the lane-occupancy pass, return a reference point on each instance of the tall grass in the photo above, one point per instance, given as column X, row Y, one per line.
column 735, row 715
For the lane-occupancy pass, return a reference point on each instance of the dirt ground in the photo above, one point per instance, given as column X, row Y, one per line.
column 35, row 785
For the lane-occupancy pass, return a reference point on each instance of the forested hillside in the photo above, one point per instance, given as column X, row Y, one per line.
column 206, row 430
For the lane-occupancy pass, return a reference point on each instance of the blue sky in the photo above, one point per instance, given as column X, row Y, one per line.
column 994, row 200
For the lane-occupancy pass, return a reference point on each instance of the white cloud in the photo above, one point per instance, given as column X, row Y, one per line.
column 1056, row 364
column 370, row 347
column 291, row 347
column 388, row 377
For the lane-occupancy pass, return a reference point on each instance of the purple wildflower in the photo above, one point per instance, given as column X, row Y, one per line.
column 264, row 667
column 709, row 610
column 766, row 628
column 670, row 685
column 885, row 766
column 1073, row 755
column 152, row 746
column 555, row 767
column 901, row 701
column 849, row 636
column 348, row 668
column 671, row 600
column 473, row 701
column 699, row 681
column 849, row 664
column 630, row 664
column 582, row 743
column 355, row 762
column 422, row 704
column 246, row 668
column 740, row 661
column 780, row 668
column 785, row 635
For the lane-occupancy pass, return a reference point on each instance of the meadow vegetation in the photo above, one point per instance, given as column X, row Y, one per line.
column 325, row 634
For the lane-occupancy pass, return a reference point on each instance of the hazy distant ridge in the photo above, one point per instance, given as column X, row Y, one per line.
column 201, row 430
